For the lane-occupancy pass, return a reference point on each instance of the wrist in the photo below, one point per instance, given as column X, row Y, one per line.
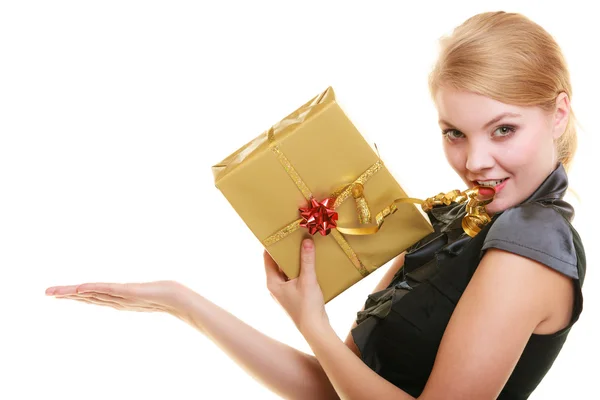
column 321, row 339
column 180, row 300
column 318, row 329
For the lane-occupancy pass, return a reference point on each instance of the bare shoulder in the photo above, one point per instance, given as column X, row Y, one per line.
column 549, row 292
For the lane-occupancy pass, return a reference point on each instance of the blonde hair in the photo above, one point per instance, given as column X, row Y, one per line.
column 511, row 59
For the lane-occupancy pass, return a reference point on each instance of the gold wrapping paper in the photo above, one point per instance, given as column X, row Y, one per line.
column 326, row 153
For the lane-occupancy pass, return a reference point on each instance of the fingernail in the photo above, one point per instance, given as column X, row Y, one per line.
column 50, row 291
column 307, row 244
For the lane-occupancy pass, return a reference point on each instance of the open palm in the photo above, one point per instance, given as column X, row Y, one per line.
column 159, row 296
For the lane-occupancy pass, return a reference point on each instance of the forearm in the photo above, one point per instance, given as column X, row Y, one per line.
column 350, row 376
column 286, row 371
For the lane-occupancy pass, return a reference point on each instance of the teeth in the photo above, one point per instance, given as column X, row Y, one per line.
column 491, row 183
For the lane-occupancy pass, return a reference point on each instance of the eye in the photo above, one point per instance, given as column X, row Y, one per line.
column 504, row 131
column 452, row 134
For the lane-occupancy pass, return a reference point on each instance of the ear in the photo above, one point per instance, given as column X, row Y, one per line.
column 561, row 114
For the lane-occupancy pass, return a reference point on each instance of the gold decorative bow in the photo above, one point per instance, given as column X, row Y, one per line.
column 476, row 217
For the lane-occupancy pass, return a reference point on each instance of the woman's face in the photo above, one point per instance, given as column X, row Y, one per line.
column 491, row 143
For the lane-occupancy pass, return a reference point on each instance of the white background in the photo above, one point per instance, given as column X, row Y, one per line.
column 113, row 112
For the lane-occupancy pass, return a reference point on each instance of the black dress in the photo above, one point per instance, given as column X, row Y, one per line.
column 401, row 327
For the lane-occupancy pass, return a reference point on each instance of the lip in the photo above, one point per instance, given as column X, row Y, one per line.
column 497, row 188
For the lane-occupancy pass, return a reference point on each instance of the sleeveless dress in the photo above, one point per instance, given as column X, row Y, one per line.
column 401, row 327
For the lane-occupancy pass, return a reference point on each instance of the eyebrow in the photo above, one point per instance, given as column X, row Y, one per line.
column 491, row 122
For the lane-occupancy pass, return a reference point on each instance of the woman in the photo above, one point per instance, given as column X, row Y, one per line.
column 454, row 317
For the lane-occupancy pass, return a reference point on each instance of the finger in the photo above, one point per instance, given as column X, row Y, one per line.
column 117, row 300
column 272, row 270
column 90, row 300
column 114, row 289
column 60, row 290
column 307, row 259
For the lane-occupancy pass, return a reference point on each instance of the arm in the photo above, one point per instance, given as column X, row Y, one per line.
column 508, row 298
column 286, row 371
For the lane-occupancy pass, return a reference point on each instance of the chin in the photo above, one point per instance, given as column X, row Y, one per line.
column 498, row 205
column 492, row 208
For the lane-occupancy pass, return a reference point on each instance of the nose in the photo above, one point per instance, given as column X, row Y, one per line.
column 479, row 157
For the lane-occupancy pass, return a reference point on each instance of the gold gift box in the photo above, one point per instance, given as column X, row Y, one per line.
column 318, row 151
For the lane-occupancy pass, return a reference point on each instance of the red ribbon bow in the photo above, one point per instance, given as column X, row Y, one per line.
column 319, row 216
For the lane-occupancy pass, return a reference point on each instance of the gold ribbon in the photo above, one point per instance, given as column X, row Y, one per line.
column 472, row 223
column 340, row 197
